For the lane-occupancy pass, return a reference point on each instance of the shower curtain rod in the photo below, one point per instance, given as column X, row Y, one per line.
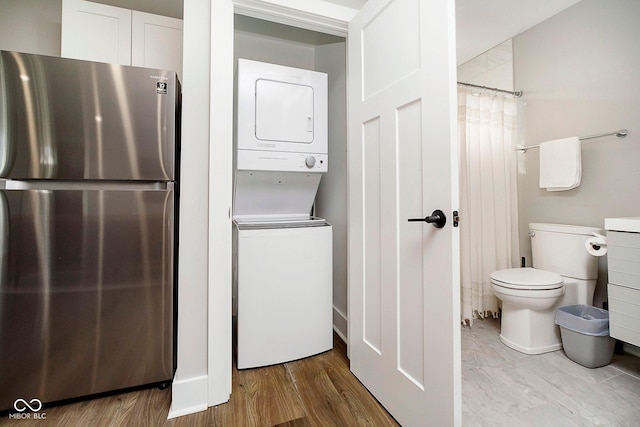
column 516, row 94
column 620, row 134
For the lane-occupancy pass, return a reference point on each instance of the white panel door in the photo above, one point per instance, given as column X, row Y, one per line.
column 96, row 32
column 156, row 42
column 404, row 332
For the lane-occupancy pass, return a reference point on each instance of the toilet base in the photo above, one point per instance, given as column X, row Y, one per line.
column 529, row 350
column 529, row 331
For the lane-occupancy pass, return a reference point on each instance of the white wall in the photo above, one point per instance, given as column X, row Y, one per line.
column 31, row 26
column 190, row 386
column 579, row 73
column 220, row 174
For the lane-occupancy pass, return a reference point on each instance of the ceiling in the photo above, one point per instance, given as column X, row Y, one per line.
column 481, row 24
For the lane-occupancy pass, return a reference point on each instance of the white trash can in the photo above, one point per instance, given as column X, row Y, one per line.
column 585, row 334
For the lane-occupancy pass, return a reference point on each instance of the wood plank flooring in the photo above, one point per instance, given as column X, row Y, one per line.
column 316, row 391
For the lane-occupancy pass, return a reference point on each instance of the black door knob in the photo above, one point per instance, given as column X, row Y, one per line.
column 436, row 218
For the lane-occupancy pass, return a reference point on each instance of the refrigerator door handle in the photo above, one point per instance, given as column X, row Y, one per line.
column 6, row 136
column 10, row 184
column 4, row 238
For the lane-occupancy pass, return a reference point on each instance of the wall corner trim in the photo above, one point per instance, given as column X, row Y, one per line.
column 188, row 396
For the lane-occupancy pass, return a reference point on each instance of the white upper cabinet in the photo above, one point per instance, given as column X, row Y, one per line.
column 97, row 32
column 156, row 41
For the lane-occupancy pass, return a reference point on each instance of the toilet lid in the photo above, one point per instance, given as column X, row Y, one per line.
column 526, row 278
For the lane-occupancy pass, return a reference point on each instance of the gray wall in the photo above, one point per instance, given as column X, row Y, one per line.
column 580, row 72
column 331, row 201
column 258, row 48
column 31, row 26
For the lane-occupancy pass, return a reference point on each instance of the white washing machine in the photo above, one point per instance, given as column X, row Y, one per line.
column 284, row 279
column 282, row 255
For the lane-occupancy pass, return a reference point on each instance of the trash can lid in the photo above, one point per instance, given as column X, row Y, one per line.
column 527, row 278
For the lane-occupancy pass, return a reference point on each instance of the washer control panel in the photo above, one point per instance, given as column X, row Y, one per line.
column 279, row 161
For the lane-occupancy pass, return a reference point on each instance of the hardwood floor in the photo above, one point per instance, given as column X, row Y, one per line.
column 316, row 391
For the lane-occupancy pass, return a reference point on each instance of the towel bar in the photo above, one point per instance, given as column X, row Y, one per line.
column 620, row 134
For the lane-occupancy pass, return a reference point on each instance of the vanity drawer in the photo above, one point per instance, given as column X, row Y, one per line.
column 623, row 258
column 624, row 313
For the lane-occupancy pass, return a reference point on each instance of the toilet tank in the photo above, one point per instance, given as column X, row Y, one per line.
column 561, row 249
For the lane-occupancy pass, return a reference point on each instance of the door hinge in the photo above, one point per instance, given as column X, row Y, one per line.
column 456, row 218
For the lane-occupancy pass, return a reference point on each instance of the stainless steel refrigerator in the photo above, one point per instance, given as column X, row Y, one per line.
column 88, row 196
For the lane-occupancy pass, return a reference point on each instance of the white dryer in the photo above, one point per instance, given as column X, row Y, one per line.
column 282, row 255
column 284, row 110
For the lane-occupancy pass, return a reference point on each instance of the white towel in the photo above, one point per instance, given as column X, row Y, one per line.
column 560, row 164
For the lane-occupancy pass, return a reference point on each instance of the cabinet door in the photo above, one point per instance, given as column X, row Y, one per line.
column 156, row 42
column 96, row 32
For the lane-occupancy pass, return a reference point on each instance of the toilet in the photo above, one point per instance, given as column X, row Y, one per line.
column 563, row 273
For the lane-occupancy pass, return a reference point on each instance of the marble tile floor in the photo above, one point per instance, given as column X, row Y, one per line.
column 503, row 387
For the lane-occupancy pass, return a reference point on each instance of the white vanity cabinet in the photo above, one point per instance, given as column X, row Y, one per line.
column 102, row 33
column 623, row 258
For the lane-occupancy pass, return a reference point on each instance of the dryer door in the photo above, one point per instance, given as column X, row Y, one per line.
column 284, row 111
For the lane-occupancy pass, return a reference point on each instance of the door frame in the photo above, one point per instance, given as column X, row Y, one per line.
column 328, row 19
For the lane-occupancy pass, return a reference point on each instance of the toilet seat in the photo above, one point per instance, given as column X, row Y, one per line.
column 527, row 279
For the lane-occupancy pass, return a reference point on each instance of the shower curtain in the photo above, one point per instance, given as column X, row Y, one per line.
column 488, row 196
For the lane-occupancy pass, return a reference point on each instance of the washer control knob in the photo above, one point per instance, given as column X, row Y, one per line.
column 310, row 161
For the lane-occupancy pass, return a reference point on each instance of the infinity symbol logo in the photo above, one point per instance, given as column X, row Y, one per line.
column 37, row 405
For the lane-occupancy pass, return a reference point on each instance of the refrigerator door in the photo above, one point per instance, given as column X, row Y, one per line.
column 67, row 119
column 86, row 291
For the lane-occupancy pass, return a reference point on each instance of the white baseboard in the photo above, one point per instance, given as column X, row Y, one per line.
column 340, row 323
column 188, row 396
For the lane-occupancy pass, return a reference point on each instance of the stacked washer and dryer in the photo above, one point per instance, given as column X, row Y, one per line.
column 282, row 253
